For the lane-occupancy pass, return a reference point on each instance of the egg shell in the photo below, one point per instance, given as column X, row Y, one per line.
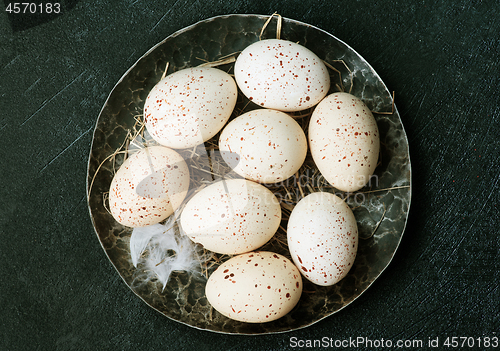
column 189, row 106
column 344, row 141
column 255, row 287
column 322, row 237
column 232, row 216
column 263, row 145
column 282, row 75
column 148, row 186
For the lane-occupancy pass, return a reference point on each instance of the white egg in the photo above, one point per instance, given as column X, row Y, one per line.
column 255, row 287
column 281, row 75
column 263, row 145
column 148, row 187
column 232, row 216
column 190, row 106
column 344, row 141
column 322, row 236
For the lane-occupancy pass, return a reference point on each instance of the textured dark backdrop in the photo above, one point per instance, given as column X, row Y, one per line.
column 58, row 291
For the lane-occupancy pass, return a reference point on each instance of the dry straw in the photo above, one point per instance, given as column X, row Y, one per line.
column 207, row 164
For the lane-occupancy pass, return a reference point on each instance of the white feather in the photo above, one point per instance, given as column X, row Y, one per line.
column 161, row 249
column 140, row 239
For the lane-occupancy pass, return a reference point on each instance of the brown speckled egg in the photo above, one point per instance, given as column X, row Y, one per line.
column 232, row 216
column 263, row 145
column 148, row 187
column 281, row 75
column 190, row 106
column 322, row 236
column 344, row 141
column 255, row 287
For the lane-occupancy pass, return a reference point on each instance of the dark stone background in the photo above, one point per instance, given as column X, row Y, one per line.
column 58, row 290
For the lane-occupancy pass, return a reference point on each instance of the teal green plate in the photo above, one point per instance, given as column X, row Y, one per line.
column 381, row 209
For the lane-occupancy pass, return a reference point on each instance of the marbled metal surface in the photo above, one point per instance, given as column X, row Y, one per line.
column 381, row 209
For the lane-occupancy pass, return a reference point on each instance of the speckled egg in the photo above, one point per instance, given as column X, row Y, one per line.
column 232, row 216
column 263, row 145
column 190, row 106
column 344, row 141
column 322, row 238
column 148, row 187
column 255, row 287
column 281, row 75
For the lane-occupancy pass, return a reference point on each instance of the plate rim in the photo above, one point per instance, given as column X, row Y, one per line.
column 179, row 32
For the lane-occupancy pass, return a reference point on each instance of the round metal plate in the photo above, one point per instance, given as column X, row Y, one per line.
column 381, row 209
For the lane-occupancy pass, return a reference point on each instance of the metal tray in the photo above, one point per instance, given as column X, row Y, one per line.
column 381, row 209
